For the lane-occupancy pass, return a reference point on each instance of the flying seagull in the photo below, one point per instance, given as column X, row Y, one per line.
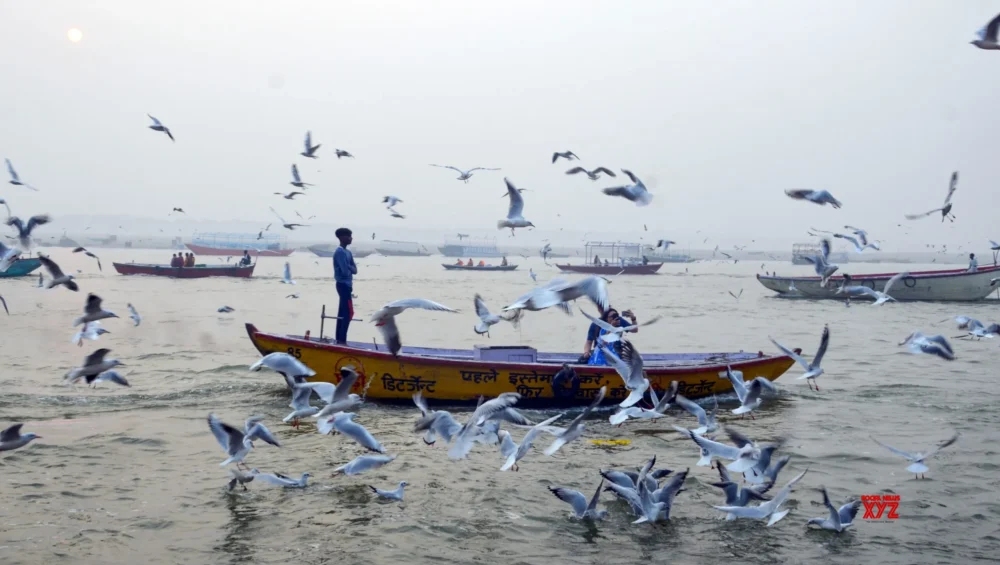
column 364, row 463
column 290, row 195
column 464, row 175
column 93, row 365
column 390, row 201
column 988, row 36
column 635, row 192
column 89, row 254
column 840, row 518
column 286, row 225
column 296, row 179
column 342, row 153
column 236, row 443
column 930, row 345
column 157, row 126
column 16, row 180
column 859, row 246
column 56, row 276
column 385, row 318
column 12, row 438
column 821, row 262
column 881, row 297
column 582, row 509
column 918, row 466
column 568, row 155
column 946, row 208
column 770, row 510
column 749, row 394
column 515, row 217
column 310, row 151
column 92, row 311
column 629, row 367
column 24, row 229
column 813, row 369
column 132, row 313
column 592, row 175
column 486, row 319
column 821, row 197
column 179, row 210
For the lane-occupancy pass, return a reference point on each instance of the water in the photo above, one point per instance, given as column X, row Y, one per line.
column 132, row 475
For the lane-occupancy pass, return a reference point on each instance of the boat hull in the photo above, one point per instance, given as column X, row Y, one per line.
column 328, row 250
column 485, row 268
column 237, row 251
column 482, row 251
column 447, row 375
column 21, row 268
column 648, row 269
column 397, row 253
column 949, row 285
column 198, row 272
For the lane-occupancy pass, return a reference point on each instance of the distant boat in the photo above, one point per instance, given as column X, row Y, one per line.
column 235, row 243
column 392, row 248
column 619, row 259
column 479, row 268
column 954, row 284
column 21, row 267
column 196, row 272
column 668, row 257
column 326, row 250
column 802, row 250
column 609, row 269
column 487, row 247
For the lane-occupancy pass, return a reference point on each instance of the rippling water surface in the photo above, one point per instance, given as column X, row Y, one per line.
column 133, row 476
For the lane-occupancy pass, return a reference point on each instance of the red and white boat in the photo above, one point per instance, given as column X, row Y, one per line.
column 618, row 259
column 259, row 245
column 196, row 272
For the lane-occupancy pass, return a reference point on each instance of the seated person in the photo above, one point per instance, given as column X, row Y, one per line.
column 460, row 263
column 482, row 263
column 503, row 263
column 190, row 260
column 597, row 260
column 174, row 262
column 246, row 261
column 592, row 354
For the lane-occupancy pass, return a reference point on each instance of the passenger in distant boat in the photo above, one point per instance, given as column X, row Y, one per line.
column 174, row 261
column 482, row 263
column 597, row 261
column 246, row 261
column 190, row 260
column 605, row 262
column 344, row 270
column 470, row 263
column 460, row 263
column 504, row 262
column 645, row 260
column 592, row 354
column 973, row 264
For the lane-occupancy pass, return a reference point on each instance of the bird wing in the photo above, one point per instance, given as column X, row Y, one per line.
column 795, row 356
column 460, row 171
column 275, row 479
column 131, row 310
column 574, row 171
column 96, row 358
column 848, row 238
column 36, row 221
column 325, row 391
column 738, row 385
column 572, row 497
column 895, row 279
column 481, row 310
column 605, row 171
column 753, row 392
column 491, row 407
column 692, row 407
column 516, row 208
column 228, row 437
column 900, row 452
column 278, row 216
column 295, row 173
column 10, row 169
column 114, row 377
column 260, row 431
column 739, row 438
column 714, row 447
column 54, row 271
column 953, row 185
column 618, row 191
column 481, row 169
column 631, row 176
column 824, row 341
column 300, row 397
column 4, row 302
column 93, row 304
column 924, row 215
column 418, row 303
column 596, row 497
column 421, row 403
column 834, row 513
column 348, row 376
column 600, row 323
column 358, row 433
column 308, row 141
column 942, row 445
column 596, row 289
column 155, row 121
column 940, row 340
column 825, row 248
column 11, row 433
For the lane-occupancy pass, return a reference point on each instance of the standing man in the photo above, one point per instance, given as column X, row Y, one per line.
column 344, row 270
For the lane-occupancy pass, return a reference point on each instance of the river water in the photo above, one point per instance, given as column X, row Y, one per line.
column 132, row 475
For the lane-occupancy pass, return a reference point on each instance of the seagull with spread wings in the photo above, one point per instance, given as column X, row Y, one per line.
column 157, row 126
column 385, row 318
column 286, row 225
column 296, row 179
column 987, row 36
column 592, row 175
column 918, row 460
column 635, row 192
column 464, row 175
column 946, row 208
column 515, row 212
column 310, row 150
column 813, row 369
column 16, row 180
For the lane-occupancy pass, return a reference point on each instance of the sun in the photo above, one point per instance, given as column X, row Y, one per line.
column 74, row 34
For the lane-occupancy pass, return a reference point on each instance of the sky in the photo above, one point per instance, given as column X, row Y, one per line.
column 718, row 106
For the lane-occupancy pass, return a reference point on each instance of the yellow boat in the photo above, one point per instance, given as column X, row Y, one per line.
column 462, row 375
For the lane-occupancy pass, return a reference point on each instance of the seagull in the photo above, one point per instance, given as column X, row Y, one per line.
column 281, row 480
column 293, row 295
column 237, row 444
column 660, row 405
column 7, row 257
column 931, row 345
column 464, row 175
column 300, row 405
column 225, row 309
column 821, row 197
column 823, row 268
column 813, row 369
column 4, row 202
column 93, row 365
column 946, row 208
column 16, row 180
column 629, row 366
column 290, row 195
column 107, row 376
column 136, row 318
column 635, row 192
column 525, row 445
column 390, row 201
column 576, row 427
column 736, row 296
column 582, row 509
column 592, row 175
column 284, row 364
column 770, row 509
column 286, row 277
column 711, row 449
column 436, row 423
column 396, row 214
column 486, row 319
column 396, row 494
column 179, row 210
column 92, row 311
column 363, row 463
column 859, row 246
column 12, row 438
column 736, row 496
column 840, row 518
column 664, row 244
column 310, row 151
column 338, row 399
column 559, row 291
column 531, row 273
column 91, row 331
column 285, row 224
column 918, row 466
column 880, row 297
column 342, row 153
column 24, row 230
column 345, row 424
column 988, row 36
column 296, row 179
column 614, row 333
column 89, row 254
column 499, row 407
column 239, row 477
column 157, row 126
column 749, row 396
column 706, row 421
column 385, row 319
column 514, row 219
column 648, row 504
column 568, row 155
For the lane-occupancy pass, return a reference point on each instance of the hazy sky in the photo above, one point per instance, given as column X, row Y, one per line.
column 718, row 106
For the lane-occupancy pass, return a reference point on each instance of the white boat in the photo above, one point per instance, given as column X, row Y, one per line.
column 952, row 285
